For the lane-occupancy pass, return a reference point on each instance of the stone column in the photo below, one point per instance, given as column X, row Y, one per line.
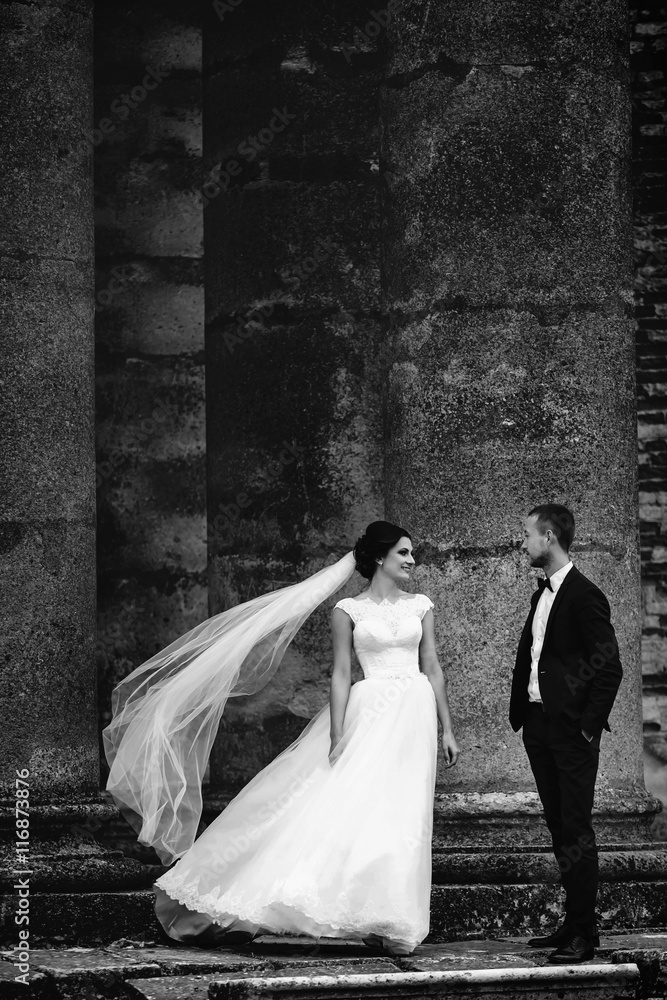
column 507, row 291
column 294, row 428
column 48, row 459
column 149, row 334
column 47, row 469
column 647, row 64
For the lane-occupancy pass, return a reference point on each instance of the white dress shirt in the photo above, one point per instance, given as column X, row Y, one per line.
column 540, row 620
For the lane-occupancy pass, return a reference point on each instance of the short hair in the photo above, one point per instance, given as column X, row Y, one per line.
column 557, row 517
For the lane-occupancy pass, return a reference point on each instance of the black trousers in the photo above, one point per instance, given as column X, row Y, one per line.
column 565, row 767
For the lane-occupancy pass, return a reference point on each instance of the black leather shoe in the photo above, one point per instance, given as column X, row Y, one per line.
column 239, row 937
column 578, row 949
column 217, row 938
column 560, row 936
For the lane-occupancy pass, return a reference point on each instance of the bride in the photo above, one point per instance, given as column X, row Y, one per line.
column 333, row 837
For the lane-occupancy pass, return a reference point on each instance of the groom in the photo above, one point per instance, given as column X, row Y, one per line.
column 565, row 680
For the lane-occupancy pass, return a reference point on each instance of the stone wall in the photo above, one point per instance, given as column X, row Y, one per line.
column 649, row 82
column 152, row 575
column 299, row 202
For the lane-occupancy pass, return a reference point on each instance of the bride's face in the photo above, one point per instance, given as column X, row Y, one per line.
column 398, row 561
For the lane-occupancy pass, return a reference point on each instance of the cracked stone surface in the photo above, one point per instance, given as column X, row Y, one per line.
column 128, row 970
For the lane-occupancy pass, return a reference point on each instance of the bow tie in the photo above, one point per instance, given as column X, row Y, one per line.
column 542, row 583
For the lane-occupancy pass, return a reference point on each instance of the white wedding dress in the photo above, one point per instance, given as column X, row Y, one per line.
column 330, row 848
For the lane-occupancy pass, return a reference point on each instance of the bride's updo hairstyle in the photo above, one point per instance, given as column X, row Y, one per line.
column 376, row 541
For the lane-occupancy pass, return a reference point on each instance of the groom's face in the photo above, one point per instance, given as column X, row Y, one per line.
column 534, row 542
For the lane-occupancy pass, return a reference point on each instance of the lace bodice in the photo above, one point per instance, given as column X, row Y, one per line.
column 386, row 636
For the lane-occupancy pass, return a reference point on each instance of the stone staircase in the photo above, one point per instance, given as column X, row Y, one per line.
column 483, row 894
column 94, row 935
column 625, row 966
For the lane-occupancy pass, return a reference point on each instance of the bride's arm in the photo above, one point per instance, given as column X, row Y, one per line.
column 341, row 630
column 430, row 664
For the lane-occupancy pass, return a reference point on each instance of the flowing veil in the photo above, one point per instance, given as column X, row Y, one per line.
column 166, row 712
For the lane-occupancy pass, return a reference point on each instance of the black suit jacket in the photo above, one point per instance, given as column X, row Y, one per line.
column 579, row 670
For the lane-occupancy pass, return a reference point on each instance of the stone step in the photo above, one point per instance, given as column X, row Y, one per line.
column 593, row 982
column 644, row 863
column 83, row 918
column 581, row 982
column 524, row 909
column 300, row 967
column 97, row 918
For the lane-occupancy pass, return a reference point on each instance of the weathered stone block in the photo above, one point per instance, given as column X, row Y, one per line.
column 43, row 117
column 654, row 653
column 147, row 538
column 334, row 33
column 474, row 591
column 155, row 114
column 424, row 36
column 45, row 467
column 501, row 910
column 296, row 435
column 139, row 614
column 147, row 142
column 47, row 697
column 501, row 867
column 148, row 213
column 154, row 404
column 486, row 399
column 167, row 34
column 319, row 115
column 30, row 986
column 499, row 181
column 150, row 307
column 540, row 984
column 479, row 596
column 302, row 246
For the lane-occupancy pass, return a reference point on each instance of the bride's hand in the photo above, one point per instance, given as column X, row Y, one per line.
column 335, row 740
column 450, row 749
